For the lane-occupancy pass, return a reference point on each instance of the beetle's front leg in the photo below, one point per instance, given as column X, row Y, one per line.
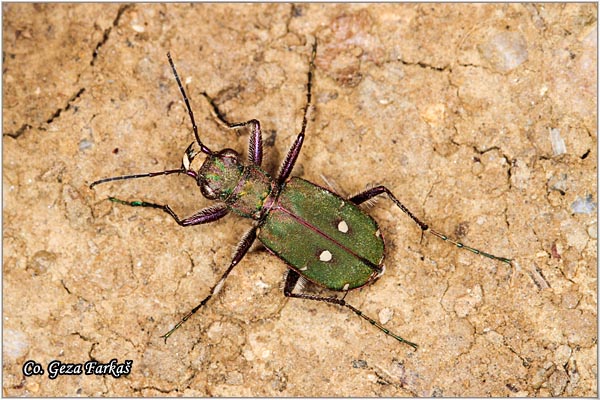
column 370, row 193
column 240, row 252
column 203, row 216
column 290, row 284
column 255, row 146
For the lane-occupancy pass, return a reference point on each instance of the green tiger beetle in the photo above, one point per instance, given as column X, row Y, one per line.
column 322, row 237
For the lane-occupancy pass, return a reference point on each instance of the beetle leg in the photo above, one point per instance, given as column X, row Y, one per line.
column 370, row 193
column 255, row 147
column 240, row 252
column 255, row 150
column 290, row 284
column 203, row 216
column 294, row 152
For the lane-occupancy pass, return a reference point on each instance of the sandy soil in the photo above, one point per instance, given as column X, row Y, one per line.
column 480, row 118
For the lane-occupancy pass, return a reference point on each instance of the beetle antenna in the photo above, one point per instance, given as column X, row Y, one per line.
column 203, row 148
column 135, row 176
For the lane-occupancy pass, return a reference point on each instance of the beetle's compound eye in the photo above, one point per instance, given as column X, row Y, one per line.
column 207, row 191
column 229, row 157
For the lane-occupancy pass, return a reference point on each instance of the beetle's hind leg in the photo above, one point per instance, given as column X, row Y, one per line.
column 290, row 284
column 370, row 193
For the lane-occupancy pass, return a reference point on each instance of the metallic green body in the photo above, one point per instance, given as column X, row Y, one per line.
column 248, row 198
column 327, row 239
column 244, row 188
column 220, row 174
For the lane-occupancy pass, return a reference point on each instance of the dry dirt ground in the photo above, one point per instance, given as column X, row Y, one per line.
column 480, row 118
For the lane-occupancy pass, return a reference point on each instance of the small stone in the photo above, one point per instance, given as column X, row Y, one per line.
column 557, row 382
column 593, row 230
column 505, row 51
column 562, row 355
column 558, row 143
column 584, row 205
column 359, row 364
column 41, row 262
column 235, row 378
column 385, row 315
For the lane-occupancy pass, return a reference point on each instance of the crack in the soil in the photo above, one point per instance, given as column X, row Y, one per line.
column 65, row 286
column 67, row 107
column 58, row 112
column 54, row 116
column 426, row 66
column 18, row 132
column 107, row 31
column 150, row 387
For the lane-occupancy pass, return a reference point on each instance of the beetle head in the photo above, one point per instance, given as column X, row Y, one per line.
column 220, row 174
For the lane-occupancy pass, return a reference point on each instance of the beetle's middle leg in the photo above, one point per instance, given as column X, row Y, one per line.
column 294, row 152
column 290, row 284
column 370, row 193
column 240, row 252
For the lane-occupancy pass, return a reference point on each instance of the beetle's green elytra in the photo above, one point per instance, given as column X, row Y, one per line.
column 322, row 236
column 335, row 244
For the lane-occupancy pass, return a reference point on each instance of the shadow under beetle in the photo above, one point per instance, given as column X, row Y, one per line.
column 323, row 237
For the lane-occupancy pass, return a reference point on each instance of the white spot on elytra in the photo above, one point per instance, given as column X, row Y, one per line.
column 304, row 268
column 343, row 227
column 325, row 256
column 346, row 286
column 378, row 233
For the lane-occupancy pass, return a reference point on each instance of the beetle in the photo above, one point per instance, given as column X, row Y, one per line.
column 322, row 237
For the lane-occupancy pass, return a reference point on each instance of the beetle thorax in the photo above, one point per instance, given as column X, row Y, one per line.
column 244, row 188
column 220, row 174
